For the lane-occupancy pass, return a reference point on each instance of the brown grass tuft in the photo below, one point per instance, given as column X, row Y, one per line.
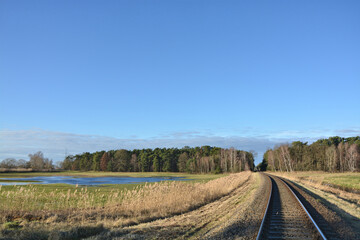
column 121, row 207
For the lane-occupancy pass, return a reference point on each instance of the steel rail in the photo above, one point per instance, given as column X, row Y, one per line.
column 308, row 214
column 302, row 206
column 266, row 210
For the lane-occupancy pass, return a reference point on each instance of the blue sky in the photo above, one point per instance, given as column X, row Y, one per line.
column 90, row 75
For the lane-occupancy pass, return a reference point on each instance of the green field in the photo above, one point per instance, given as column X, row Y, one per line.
column 348, row 180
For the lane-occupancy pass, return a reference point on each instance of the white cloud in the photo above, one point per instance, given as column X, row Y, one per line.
column 19, row 143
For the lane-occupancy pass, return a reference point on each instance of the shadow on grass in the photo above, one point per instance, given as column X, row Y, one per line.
column 328, row 228
column 75, row 233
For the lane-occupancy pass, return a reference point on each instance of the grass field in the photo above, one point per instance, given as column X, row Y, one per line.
column 341, row 186
column 41, row 210
column 346, row 181
column 128, row 201
column 205, row 177
column 103, row 189
column 190, row 177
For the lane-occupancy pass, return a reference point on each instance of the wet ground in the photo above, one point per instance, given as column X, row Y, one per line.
column 88, row 181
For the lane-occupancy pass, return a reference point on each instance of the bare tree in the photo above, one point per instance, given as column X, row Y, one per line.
column 285, row 154
column 271, row 159
column 331, row 155
column 244, row 160
column 341, row 151
column 39, row 162
column 352, row 157
column 8, row 163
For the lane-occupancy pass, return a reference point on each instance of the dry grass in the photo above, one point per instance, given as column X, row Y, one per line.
column 348, row 181
column 346, row 205
column 123, row 207
column 320, row 180
column 4, row 170
column 224, row 218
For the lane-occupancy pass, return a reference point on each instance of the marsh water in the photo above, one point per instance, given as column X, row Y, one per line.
column 88, row 181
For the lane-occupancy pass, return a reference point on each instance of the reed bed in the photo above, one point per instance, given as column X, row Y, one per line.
column 143, row 203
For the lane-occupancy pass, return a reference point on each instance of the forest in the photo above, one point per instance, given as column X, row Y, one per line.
column 335, row 154
column 203, row 159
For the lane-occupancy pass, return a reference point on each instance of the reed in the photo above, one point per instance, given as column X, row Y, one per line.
column 125, row 206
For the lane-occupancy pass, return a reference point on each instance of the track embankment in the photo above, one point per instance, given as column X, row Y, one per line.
column 234, row 216
column 338, row 216
column 286, row 217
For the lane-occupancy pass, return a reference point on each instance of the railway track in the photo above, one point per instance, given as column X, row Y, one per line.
column 286, row 217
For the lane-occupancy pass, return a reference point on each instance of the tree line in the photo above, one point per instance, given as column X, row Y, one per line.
column 203, row 159
column 37, row 161
column 335, row 154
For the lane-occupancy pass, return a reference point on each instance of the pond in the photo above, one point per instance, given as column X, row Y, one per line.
column 88, row 181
